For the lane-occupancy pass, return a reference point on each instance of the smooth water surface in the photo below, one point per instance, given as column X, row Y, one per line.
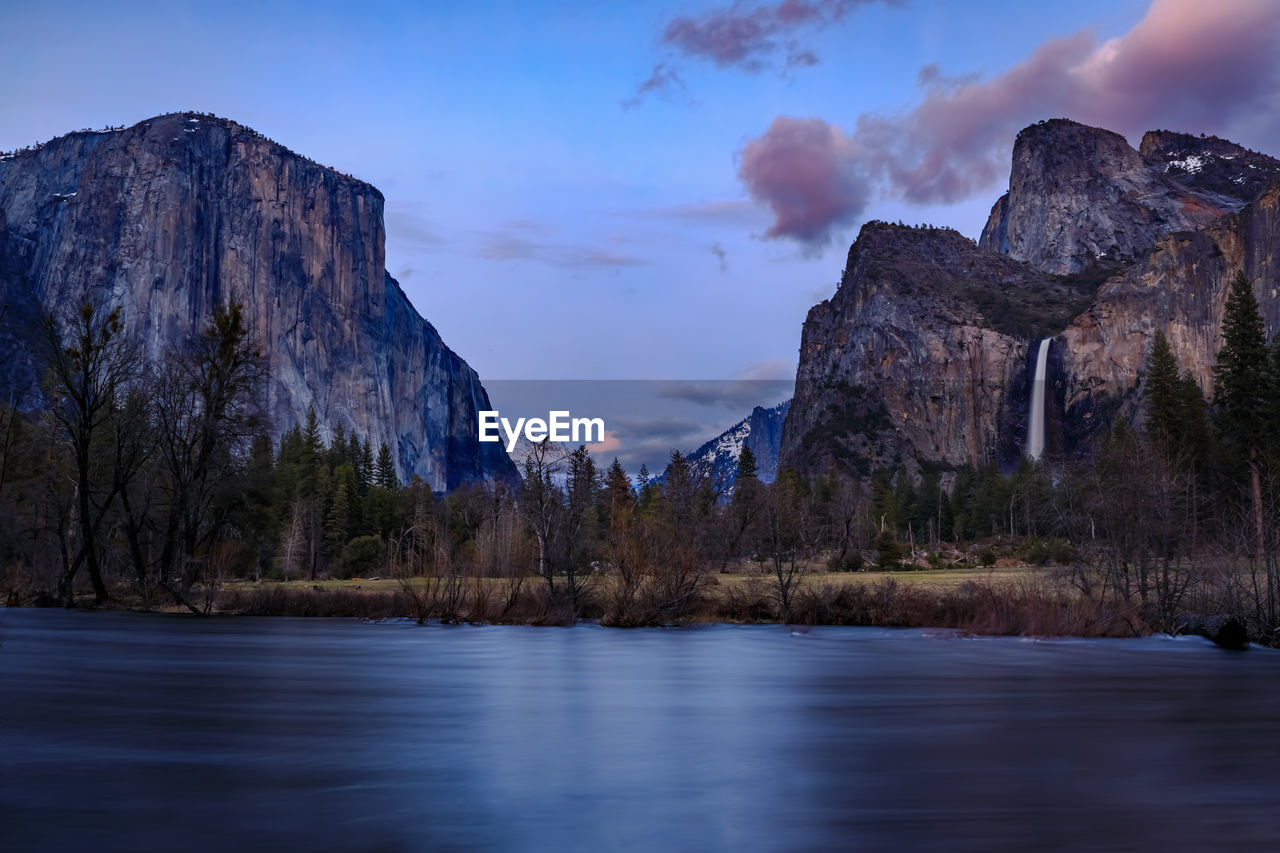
column 134, row 732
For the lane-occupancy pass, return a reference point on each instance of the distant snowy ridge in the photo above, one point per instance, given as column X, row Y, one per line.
column 718, row 458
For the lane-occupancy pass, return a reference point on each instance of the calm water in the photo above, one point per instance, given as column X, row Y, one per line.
column 133, row 732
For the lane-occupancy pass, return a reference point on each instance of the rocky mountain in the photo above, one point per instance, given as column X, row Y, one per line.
column 1209, row 164
column 761, row 431
column 923, row 355
column 1179, row 288
column 179, row 213
column 1079, row 194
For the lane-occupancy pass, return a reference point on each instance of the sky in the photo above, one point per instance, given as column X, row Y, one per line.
column 586, row 190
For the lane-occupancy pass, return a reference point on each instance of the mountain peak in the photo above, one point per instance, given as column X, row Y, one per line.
column 183, row 212
column 1079, row 195
column 1209, row 163
column 169, row 134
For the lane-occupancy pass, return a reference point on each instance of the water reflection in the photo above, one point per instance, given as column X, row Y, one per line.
column 133, row 732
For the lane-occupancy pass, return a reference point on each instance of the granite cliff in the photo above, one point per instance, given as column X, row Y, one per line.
column 179, row 213
column 1078, row 195
column 1179, row 288
column 922, row 356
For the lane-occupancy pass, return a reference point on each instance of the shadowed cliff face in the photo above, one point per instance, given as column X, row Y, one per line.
column 180, row 213
column 1180, row 288
column 1079, row 195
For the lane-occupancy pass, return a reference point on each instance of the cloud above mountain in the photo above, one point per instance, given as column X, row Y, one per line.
column 1186, row 65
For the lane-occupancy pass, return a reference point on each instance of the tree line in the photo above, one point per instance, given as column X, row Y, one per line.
column 162, row 480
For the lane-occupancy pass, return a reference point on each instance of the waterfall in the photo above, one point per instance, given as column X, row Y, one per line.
column 1035, row 419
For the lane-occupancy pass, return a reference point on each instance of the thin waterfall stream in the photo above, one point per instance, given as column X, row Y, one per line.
column 1035, row 419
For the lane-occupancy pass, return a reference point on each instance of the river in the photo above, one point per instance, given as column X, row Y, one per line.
column 147, row 732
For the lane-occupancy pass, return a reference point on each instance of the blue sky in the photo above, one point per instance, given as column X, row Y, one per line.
column 548, row 228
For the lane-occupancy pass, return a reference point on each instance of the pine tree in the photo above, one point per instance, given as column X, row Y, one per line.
column 616, row 494
column 311, row 432
column 353, row 450
column 678, row 489
column 883, row 506
column 1242, row 395
column 1164, row 397
column 367, row 471
column 1194, row 423
column 345, row 476
column 946, row 517
column 962, row 494
column 747, row 469
column 1242, row 372
column 644, row 488
column 386, row 476
column 337, row 526
column 337, row 447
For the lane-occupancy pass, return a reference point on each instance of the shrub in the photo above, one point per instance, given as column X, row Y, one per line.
column 1061, row 552
column 851, row 562
column 1037, row 551
column 889, row 551
column 361, row 556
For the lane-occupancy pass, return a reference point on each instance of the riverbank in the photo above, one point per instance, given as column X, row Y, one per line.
column 1008, row 599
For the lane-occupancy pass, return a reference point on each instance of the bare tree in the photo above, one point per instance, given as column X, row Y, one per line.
column 780, row 540
column 90, row 366
column 540, row 504
column 207, row 413
column 292, row 541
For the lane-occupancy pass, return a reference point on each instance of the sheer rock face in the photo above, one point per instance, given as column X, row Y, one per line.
column 178, row 214
column 924, row 355
column 912, row 359
column 1080, row 194
column 1181, row 289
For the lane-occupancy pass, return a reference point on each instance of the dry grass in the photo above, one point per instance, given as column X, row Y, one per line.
column 929, row 578
column 1003, row 600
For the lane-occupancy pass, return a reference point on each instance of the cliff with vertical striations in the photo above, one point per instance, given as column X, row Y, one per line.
column 922, row 355
column 182, row 212
column 1080, row 194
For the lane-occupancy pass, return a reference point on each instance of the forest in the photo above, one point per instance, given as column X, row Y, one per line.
column 157, row 485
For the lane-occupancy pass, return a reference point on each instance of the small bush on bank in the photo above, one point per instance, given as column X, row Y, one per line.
column 851, row 562
column 361, row 557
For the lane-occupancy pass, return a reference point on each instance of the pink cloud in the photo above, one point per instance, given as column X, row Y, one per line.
column 741, row 36
column 1186, row 65
column 801, row 169
column 662, row 79
column 745, row 37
